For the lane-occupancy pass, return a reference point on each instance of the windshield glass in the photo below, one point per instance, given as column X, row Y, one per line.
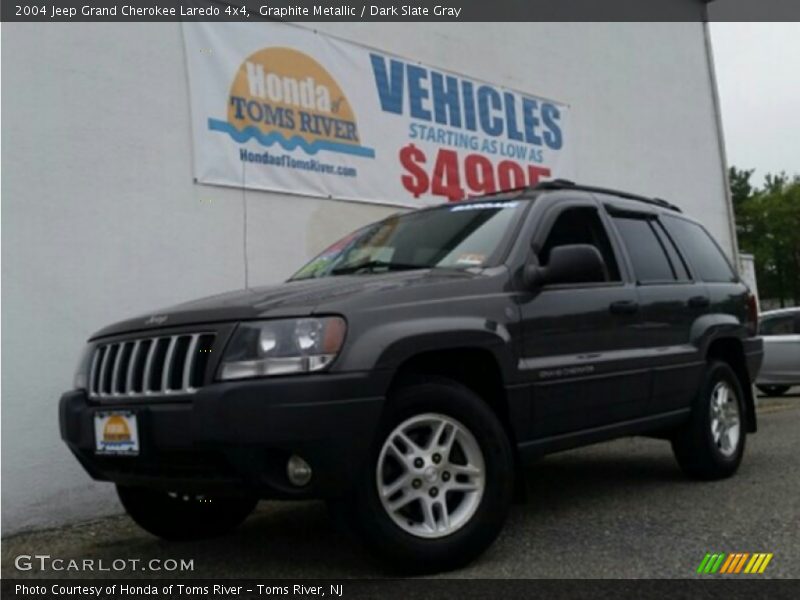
column 456, row 236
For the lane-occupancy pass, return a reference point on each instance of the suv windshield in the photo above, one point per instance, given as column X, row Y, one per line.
column 453, row 236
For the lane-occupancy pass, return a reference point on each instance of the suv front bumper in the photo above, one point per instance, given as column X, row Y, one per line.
column 236, row 437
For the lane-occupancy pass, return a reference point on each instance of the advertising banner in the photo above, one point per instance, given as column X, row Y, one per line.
column 283, row 108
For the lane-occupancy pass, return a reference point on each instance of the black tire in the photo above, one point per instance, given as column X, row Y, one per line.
column 363, row 512
column 698, row 455
column 774, row 390
column 183, row 517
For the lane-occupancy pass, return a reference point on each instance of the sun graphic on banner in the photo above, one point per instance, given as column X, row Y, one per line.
column 282, row 96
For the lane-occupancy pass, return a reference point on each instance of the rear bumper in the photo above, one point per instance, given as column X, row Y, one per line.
column 237, row 436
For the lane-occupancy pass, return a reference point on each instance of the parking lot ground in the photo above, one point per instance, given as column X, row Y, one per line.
column 615, row 510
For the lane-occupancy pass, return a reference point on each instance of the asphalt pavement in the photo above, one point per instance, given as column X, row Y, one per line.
column 615, row 510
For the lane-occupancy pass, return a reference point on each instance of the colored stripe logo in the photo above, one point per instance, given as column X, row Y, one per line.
column 734, row 563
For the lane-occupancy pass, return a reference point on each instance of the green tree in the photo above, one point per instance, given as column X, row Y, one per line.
column 741, row 192
column 768, row 226
column 741, row 188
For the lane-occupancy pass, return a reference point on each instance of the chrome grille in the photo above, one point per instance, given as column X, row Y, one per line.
column 173, row 364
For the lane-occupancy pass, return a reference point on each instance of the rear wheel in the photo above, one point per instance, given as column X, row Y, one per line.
column 774, row 390
column 175, row 516
column 437, row 487
column 711, row 444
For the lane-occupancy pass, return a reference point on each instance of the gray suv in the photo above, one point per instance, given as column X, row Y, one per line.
column 409, row 372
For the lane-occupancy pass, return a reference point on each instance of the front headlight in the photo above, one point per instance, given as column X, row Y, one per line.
column 81, row 379
column 281, row 347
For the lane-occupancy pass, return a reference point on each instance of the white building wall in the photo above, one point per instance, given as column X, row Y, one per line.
column 102, row 220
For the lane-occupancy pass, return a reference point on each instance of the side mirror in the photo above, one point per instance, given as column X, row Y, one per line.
column 574, row 263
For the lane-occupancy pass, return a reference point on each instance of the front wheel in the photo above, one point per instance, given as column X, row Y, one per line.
column 773, row 390
column 176, row 516
column 438, row 485
column 711, row 444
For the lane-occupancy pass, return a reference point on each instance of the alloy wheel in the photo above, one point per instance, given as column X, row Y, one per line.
column 725, row 419
column 431, row 475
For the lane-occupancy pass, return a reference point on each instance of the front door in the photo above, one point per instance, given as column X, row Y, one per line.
column 577, row 338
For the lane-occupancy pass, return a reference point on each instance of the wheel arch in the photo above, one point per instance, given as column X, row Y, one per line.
column 474, row 367
column 731, row 351
column 390, row 344
column 478, row 369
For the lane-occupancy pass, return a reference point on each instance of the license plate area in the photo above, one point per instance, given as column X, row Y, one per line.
column 116, row 432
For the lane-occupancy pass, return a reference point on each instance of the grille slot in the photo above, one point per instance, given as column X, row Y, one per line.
column 121, row 368
column 108, row 368
column 204, row 344
column 173, row 364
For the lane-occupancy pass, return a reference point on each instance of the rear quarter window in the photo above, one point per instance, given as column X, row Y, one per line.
column 706, row 259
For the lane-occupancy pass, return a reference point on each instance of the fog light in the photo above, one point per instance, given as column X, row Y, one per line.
column 298, row 471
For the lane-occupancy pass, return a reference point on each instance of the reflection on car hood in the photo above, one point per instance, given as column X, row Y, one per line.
column 290, row 299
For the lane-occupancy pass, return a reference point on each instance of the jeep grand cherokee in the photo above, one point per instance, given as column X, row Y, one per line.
column 409, row 371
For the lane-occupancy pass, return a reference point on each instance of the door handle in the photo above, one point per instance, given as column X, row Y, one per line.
column 698, row 302
column 624, row 307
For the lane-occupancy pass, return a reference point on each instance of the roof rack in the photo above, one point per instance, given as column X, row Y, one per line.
column 566, row 184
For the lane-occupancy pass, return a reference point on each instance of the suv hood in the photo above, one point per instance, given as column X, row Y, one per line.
column 289, row 299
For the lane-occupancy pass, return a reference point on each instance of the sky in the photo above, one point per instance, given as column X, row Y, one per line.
column 758, row 76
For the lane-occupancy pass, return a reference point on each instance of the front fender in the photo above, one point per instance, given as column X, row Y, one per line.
column 387, row 346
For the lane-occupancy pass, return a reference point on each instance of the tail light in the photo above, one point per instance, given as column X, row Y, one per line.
column 752, row 314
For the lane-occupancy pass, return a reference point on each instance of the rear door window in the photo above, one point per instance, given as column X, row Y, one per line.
column 649, row 258
column 678, row 265
column 707, row 260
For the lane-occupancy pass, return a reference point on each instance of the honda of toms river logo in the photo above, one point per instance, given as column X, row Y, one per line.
column 285, row 97
column 734, row 563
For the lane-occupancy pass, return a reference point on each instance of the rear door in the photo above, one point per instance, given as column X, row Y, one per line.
column 671, row 300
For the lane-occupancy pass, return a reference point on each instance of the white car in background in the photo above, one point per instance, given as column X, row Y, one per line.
column 781, row 368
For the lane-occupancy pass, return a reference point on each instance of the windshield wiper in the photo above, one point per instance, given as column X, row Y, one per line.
column 371, row 265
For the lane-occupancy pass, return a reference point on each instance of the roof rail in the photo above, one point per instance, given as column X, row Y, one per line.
column 566, row 184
